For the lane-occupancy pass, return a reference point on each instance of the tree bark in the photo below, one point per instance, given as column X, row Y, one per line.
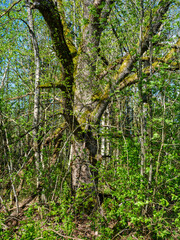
column 84, row 172
column 36, row 93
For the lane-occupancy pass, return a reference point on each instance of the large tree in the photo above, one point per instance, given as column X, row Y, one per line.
column 84, row 98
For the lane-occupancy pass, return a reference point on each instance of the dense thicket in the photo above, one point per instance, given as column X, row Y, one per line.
column 89, row 119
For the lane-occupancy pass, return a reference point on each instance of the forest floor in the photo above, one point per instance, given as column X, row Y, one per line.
column 83, row 228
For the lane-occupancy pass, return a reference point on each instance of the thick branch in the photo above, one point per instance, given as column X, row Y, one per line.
column 52, row 18
column 96, row 12
column 132, row 79
column 105, row 13
column 131, row 58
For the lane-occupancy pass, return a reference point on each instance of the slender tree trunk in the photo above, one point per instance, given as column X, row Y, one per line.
column 36, row 93
column 149, row 100
column 7, row 156
column 140, row 85
column 159, row 160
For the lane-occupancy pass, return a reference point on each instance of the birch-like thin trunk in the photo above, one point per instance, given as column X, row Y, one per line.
column 142, row 140
column 150, row 130
column 36, row 93
column 162, row 139
column 7, row 155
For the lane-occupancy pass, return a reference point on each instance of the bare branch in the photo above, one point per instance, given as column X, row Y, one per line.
column 61, row 235
column 22, row 96
column 9, row 9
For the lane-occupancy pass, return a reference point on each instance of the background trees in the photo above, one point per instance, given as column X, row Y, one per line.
column 107, row 129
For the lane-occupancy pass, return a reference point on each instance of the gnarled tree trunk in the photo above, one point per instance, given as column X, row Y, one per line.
column 79, row 83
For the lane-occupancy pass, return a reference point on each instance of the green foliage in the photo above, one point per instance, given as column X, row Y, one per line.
column 136, row 197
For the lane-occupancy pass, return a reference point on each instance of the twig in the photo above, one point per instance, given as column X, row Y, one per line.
column 3, row 205
column 22, row 96
column 119, row 233
column 61, row 235
column 9, row 9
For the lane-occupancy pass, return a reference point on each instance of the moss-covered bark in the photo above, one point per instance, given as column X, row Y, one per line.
column 79, row 85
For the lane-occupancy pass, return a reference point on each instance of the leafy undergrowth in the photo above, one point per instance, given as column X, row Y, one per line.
column 69, row 220
column 126, row 210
